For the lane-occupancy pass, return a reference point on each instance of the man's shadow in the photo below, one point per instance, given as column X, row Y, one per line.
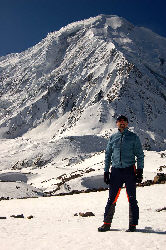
column 145, row 230
column 150, row 230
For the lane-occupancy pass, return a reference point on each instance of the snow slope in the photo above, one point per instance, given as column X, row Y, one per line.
column 54, row 225
column 69, row 171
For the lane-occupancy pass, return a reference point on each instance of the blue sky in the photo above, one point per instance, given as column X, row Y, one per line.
column 23, row 23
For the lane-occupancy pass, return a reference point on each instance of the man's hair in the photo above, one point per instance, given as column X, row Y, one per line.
column 122, row 117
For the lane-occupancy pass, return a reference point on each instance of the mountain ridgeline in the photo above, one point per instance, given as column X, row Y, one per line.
column 78, row 79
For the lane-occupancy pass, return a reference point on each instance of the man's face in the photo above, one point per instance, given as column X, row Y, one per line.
column 122, row 124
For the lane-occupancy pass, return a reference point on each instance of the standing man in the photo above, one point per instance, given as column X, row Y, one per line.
column 122, row 149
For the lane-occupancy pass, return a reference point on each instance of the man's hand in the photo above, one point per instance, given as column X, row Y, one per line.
column 107, row 177
column 139, row 175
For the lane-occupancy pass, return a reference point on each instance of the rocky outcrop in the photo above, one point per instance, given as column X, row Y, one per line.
column 160, row 178
column 85, row 214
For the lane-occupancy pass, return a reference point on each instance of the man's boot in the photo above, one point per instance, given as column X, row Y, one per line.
column 132, row 228
column 105, row 227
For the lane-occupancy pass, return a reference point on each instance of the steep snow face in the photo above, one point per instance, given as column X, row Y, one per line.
column 78, row 79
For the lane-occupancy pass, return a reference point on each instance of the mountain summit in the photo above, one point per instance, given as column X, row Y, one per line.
column 78, row 79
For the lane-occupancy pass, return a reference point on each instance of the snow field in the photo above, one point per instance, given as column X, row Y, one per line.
column 54, row 225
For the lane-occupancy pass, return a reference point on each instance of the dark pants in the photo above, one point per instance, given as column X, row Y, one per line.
column 117, row 178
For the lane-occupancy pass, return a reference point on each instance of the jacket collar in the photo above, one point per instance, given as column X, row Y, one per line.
column 124, row 132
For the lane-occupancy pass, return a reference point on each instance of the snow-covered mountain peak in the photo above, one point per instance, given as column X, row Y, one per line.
column 113, row 21
column 100, row 22
column 78, row 79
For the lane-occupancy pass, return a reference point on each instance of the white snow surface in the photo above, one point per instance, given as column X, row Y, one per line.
column 54, row 225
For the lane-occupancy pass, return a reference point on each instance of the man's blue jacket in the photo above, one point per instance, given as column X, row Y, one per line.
column 122, row 151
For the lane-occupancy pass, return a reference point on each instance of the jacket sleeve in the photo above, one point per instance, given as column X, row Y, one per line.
column 108, row 154
column 139, row 153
